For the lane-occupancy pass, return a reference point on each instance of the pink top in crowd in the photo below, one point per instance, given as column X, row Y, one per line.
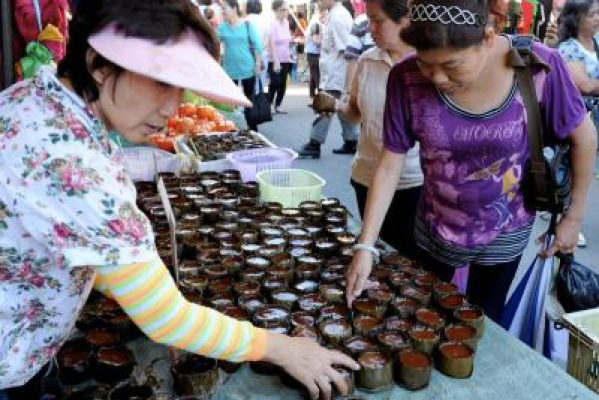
column 281, row 37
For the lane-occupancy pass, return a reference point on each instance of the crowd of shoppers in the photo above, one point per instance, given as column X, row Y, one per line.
column 420, row 99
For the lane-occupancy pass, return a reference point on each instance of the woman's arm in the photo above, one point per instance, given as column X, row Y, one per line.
column 350, row 108
column 148, row 294
column 380, row 194
column 581, row 78
column 256, row 47
column 584, row 145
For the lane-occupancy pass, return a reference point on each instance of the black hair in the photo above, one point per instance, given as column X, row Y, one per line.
column 569, row 20
column 428, row 35
column 394, row 9
column 157, row 20
column 253, row 7
column 276, row 4
column 233, row 4
column 349, row 7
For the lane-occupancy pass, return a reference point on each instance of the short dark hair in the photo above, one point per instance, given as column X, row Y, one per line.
column 253, row 7
column 234, row 4
column 157, row 20
column 394, row 9
column 276, row 4
column 349, row 7
column 427, row 35
column 569, row 19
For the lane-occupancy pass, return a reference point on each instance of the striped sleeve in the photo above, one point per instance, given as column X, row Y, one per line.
column 148, row 294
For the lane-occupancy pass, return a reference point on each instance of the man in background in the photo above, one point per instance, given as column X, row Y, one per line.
column 333, row 66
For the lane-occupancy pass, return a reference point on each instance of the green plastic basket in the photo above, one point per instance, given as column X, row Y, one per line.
column 289, row 186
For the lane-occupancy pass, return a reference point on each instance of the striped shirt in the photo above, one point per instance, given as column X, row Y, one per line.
column 504, row 248
column 148, row 294
column 360, row 38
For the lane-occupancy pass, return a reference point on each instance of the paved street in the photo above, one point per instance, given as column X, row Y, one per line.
column 292, row 130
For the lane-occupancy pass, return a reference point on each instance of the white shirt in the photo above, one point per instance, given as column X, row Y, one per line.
column 335, row 37
column 368, row 88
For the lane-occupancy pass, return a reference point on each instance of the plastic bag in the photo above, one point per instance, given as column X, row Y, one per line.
column 577, row 285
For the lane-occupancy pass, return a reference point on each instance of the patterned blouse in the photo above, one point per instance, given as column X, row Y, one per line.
column 65, row 202
column 573, row 50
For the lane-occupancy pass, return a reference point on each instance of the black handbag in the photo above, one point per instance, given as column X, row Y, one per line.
column 547, row 181
column 260, row 111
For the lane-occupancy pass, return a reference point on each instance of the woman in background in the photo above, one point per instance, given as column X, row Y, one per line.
column 242, row 58
column 279, row 65
column 366, row 105
column 578, row 24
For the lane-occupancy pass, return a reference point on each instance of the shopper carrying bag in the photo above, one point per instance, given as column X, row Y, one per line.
column 260, row 111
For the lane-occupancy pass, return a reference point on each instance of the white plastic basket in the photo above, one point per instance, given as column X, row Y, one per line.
column 144, row 163
column 252, row 161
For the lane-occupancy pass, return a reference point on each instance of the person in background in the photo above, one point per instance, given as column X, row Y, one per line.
column 69, row 215
column 473, row 149
column 579, row 22
column 256, row 16
column 242, row 48
column 360, row 40
column 350, row 7
column 313, row 41
column 299, row 39
column 279, row 64
column 212, row 9
column 332, row 79
column 552, row 33
column 366, row 105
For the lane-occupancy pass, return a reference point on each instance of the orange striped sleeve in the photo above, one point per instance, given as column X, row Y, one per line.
column 148, row 294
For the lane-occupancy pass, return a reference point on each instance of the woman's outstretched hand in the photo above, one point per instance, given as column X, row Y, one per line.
column 309, row 363
column 357, row 276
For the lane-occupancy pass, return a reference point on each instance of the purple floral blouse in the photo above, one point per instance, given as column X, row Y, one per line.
column 66, row 204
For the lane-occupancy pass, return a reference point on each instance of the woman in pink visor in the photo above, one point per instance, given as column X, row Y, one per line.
column 68, row 214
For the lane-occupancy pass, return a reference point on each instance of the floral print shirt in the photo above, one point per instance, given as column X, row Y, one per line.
column 573, row 50
column 66, row 204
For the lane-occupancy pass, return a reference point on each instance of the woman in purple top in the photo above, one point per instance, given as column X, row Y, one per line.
column 458, row 98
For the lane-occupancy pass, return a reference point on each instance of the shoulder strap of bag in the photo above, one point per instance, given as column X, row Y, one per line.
column 521, row 58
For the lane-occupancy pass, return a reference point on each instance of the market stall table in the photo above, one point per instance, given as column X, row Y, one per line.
column 504, row 368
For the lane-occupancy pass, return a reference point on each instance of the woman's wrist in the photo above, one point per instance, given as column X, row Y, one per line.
column 370, row 248
column 275, row 345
